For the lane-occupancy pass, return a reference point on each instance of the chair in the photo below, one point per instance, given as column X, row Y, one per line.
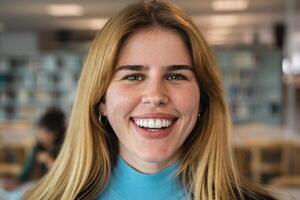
column 285, row 181
column 12, row 157
column 16, row 139
column 253, row 158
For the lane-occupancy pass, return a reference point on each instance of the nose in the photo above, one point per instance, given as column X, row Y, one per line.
column 155, row 93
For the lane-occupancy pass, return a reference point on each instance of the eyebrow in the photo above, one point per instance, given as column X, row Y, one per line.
column 180, row 67
column 145, row 67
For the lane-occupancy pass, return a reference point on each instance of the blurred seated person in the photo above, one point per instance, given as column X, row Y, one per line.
column 50, row 135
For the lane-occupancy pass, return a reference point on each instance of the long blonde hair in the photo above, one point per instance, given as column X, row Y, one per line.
column 84, row 165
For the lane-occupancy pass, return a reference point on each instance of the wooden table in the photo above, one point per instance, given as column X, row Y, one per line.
column 256, row 138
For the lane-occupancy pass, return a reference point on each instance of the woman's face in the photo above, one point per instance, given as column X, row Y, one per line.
column 153, row 99
column 45, row 137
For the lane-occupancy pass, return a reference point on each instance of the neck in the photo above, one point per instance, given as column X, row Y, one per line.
column 149, row 166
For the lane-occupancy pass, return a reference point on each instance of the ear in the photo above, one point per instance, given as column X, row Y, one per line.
column 102, row 108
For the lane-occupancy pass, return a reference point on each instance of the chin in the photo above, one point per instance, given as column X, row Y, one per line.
column 157, row 157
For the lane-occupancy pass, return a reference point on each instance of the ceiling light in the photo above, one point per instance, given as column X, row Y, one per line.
column 217, row 38
column 219, row 31
column 217, row 41
column 229, row 5
column 60, row 10
column 224, row 20
column 97, row 24
column 286, row 66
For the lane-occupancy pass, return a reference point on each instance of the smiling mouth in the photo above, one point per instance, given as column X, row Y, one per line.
column 154, row 124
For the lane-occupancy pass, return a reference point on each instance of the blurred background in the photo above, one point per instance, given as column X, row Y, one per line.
column 43, row 45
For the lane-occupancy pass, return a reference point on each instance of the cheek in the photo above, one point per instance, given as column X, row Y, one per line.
column 187, row 100
column 120, row 101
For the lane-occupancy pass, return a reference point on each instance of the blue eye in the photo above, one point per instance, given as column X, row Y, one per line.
column 176, row 77
column 134, row 77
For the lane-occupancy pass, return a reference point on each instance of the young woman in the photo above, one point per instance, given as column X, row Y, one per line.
column 50, row 135
column 150, row 120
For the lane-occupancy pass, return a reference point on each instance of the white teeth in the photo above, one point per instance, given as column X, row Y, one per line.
column 153, row 123
column 158, row 123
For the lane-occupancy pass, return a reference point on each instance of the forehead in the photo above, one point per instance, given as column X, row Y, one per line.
column 154, row 46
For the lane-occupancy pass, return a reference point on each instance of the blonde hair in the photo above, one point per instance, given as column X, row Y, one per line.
column 84, row 165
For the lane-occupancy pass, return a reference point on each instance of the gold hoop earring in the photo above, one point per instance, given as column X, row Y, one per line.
column 100, row 118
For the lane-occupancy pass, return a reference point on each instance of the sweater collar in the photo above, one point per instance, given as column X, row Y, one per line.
column 127, row 181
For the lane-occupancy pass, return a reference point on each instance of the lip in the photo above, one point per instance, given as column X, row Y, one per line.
column 155, row 116
column 157, row 134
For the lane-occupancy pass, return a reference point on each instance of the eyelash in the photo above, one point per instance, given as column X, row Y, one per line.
column 176, row 76
column 134, row 77
column 141, row 77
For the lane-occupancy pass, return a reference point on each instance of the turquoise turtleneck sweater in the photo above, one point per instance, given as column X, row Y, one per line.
column 128, row 184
